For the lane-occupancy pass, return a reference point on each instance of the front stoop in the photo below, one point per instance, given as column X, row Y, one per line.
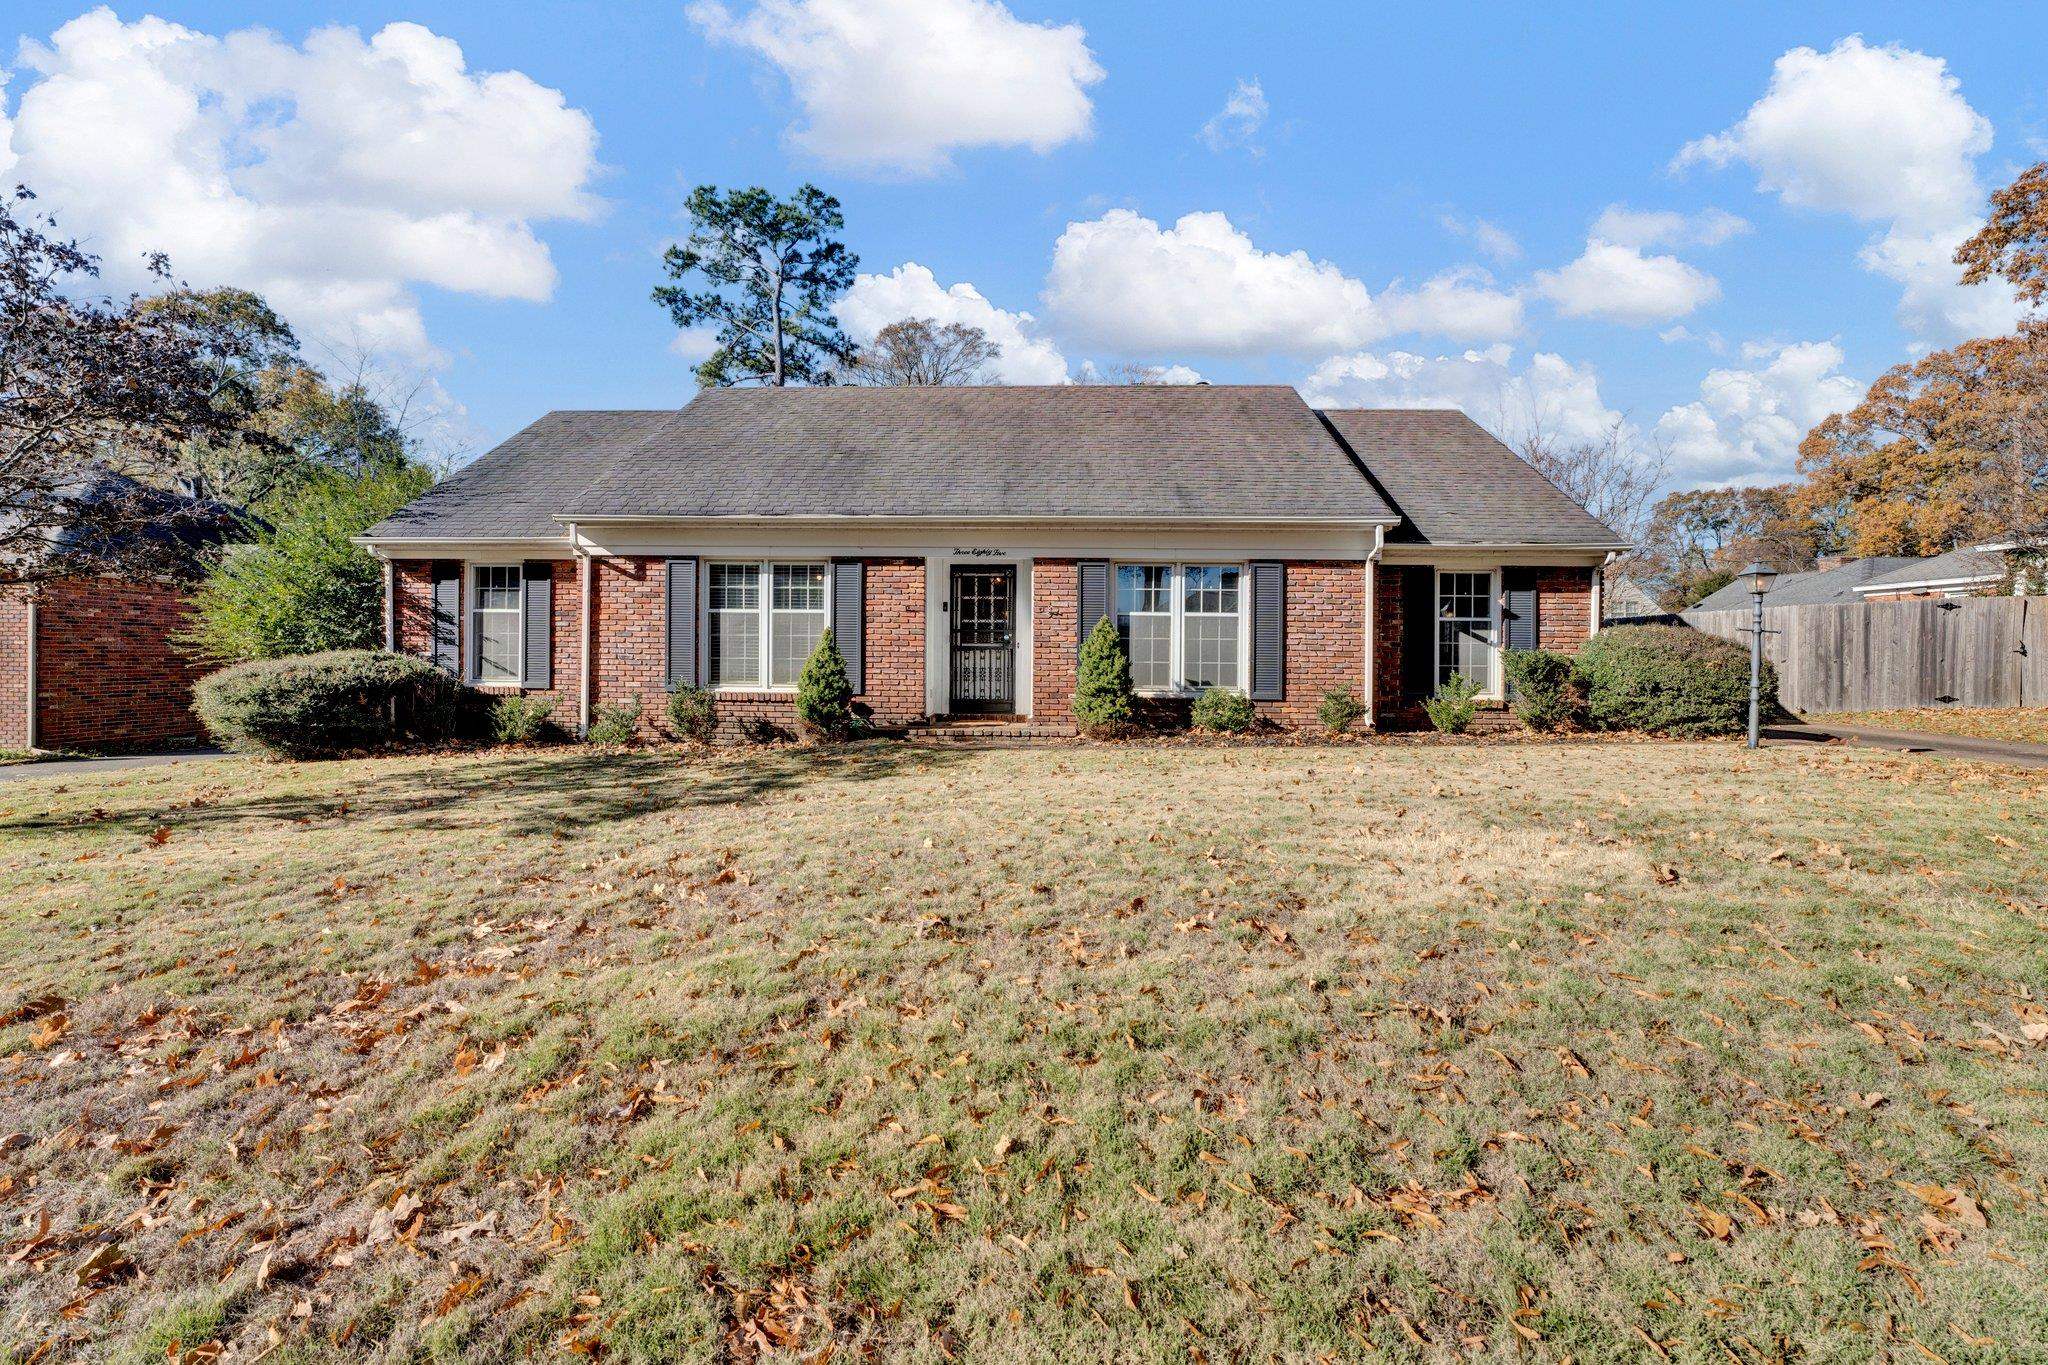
column 976, row 729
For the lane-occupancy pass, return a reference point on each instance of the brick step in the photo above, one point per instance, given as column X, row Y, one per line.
column 965, row 731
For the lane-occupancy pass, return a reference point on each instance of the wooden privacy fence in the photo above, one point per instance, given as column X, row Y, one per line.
column 1873, row 656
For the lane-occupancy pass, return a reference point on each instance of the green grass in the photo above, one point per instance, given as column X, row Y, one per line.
column 1413, row 1050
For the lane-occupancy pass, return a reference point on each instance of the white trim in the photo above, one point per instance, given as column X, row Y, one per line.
column 1372, row 588
column 585, row 569
column 34, row 701
column 938, row 626
column 1495, row 689
column 1978, row 580
column 473, row 660
column 950, row 519
column 390, row 606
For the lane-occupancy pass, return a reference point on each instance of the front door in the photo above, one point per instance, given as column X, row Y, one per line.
column 984, row 614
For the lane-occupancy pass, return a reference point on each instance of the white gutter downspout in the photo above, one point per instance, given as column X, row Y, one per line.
column 583, row 626
column 30, row 734
column 1599, row 580
column 1372, row 590
column 390, row 605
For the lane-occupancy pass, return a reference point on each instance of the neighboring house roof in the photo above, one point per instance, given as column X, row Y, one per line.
column 1957, row 568
column 1247, row 452
column 1460, row 486
column 1118, row 452
column 1811, row 588
column 1621, row 595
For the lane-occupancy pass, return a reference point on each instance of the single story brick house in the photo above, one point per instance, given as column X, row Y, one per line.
column 962, row 542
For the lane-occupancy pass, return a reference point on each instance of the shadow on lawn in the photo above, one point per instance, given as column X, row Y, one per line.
column 536, row 792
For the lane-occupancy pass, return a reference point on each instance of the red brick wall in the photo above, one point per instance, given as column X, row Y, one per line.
column 107, row 674
column 1325, row 638
column 14, row 653
column 413, row 603
column 893, row 611
column 1564, row 608
column 1055, row 639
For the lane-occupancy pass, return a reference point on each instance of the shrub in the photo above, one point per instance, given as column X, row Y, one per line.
column 693, row 713
column 1547, row 691
column 824, row 694
column 1223, row 711
column 1452, row 708
column 1670, row 680
column 618, row 724
column 1103, row 692
column 1340, row 710
column 323, row 705
column 520, row 720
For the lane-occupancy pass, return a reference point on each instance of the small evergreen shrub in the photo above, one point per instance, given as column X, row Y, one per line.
column 1670, row 680
column 1103, row 692
column 693, row 713
column 1452, row 708
column 617, row 724
column 1547, row 691
column 824, row 694
column 520, row 720
column 323, row 705
column 1340, row 710
column 1223, row 711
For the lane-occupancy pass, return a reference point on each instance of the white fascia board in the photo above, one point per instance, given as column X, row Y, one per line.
column 1975, row 580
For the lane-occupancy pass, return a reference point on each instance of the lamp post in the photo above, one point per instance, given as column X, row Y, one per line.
column 1760, row 579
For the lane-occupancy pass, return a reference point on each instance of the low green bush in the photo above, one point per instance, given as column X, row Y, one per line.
column 1670, row 680
column 693, row 713
column 1340, row 710
column 337, row 702
column 1104, row 700
column 824, row 693
column 1452, row 708
column 1548, row 695
column 616, row 724
column 520, row 720
column 1223, row 711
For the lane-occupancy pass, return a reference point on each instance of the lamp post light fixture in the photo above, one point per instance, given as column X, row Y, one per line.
column 1759, row 577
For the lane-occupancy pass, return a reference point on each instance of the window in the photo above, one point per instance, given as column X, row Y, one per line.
column 1464, row 628
column 747, row 604
column 497, row 623
column 1181, row 625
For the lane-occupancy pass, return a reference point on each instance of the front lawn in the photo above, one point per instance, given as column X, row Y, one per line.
column 1602, row 1050
column 2025, row 725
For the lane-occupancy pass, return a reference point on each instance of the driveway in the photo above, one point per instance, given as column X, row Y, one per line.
column 87, row 767
column 1920, row 742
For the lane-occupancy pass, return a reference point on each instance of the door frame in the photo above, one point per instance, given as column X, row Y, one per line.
column 1496, row 688
column 1008, row 573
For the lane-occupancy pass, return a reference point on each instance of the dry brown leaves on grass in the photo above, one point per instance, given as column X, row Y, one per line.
column 1600, row 1052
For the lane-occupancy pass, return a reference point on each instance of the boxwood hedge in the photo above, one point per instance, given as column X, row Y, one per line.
column 338, row 702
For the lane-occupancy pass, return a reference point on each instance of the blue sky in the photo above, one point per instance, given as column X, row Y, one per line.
column 1379, row 204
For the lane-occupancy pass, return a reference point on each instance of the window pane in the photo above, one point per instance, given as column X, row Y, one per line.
column 1143, row 587
column 1149, row 642
column 1211, row 588
column 497, row 587
column 1465, row 627
column 799, row 587
column 735, row 647
column 497, row 646
column 796, row 634
column 735, row 587
column 1211, row 648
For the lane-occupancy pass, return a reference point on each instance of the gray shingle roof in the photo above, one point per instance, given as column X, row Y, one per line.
column 1457, row 485
column 513, row 491
column 1811, row 588
column 1136, row 451
column 1967, row 563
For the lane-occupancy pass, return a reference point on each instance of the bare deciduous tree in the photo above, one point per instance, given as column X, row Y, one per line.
column 1615, row 476
column 922, row 351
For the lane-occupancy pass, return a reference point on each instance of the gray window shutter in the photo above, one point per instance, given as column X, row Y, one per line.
column 1269, row 631
column 445, row 650
column 539, row 666
column 849, row 618
column 1518, row 608
column 1094, row 596
column 683, row 654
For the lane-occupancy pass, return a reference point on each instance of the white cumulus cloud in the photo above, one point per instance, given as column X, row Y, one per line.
column 1884, row 135
column 333, row 177
column 1549, row 394
column 900, row 85
column 1618, row 283
column 1748, row 421
column 913, row 291
column 1238, row 122
column 1124, row 282
column 1664, row 227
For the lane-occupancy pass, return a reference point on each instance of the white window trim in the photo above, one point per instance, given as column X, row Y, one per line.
column 1494, row 690
column 1176, row 605
column 474, row 660
column 766, row 569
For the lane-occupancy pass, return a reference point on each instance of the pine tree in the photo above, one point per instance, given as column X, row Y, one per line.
column 824, row 694
column 1102, row 694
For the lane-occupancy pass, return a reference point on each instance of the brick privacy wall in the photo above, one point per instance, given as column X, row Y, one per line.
column 108, row 676
column 1564, row 608
column 1325, row 638
column 1055, row 639
column 14, row 668
column 1388, row 622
